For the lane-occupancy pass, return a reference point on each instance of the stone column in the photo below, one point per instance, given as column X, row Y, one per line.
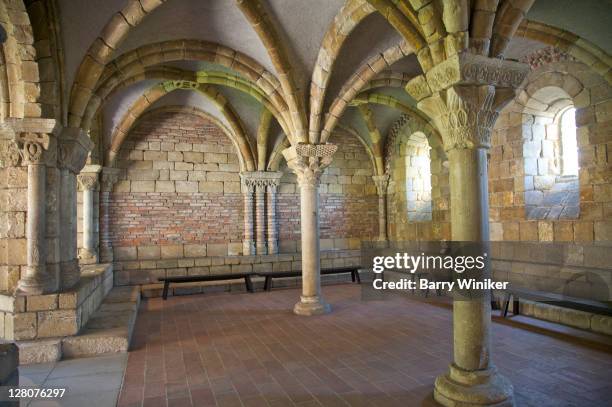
column 308, row 162
column 108, row 179
column 382, row 181
column 272, row 220
column 248, row 188
column 37, row 149
column 463, row 95
column 74, row 146
column 88, row 183
column 260, row 217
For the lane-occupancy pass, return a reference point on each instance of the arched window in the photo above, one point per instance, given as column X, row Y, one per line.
column 569, row 146
column 418, row 177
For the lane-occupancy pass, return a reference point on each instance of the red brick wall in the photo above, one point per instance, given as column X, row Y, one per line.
column 180, row 186
column 175, row 159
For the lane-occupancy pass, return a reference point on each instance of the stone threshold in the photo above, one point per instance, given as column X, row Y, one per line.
column 109, row 330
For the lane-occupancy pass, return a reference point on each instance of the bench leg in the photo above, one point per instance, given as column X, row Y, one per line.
column 353, row 276
column 248, row 283
column 165, row 291
column 268, row 283
column 515, row 306
column 506, row 304
column 357, row 276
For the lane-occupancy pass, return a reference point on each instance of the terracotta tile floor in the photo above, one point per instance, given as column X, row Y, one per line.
column 250, row 350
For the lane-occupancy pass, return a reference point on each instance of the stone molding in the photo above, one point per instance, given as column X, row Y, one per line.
column 546, row 56
column 308, row 161
column 74, row 147
column 109, row 177
column 381, row 181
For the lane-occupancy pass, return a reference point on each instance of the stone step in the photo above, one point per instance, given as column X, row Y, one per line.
column 109, row 330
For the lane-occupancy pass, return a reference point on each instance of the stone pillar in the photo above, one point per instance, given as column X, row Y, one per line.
column 88, row 183
column 463, row 95
column 74, row 146
column 272, row 220
column 260, row 218
column 248, row 188
column 37, row 149
column 308, row 162
column 382, row 181
column 108, row 179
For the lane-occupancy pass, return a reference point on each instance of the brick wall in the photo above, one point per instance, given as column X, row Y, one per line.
column 179, row 198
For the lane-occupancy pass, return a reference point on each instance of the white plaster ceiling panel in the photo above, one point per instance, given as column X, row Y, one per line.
column 384, row 118
column 184, row 97
column 81, row 23
column 589, row 19
column 520, row 47
column 372, row 36
column 116, row 107
column 246, row 107
column 304, row 24
column 209, row 20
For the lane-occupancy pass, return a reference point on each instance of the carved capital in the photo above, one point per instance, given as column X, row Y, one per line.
column 109, row 177
column 262, row 179
column 308, row 161
column 464, row 94
column 74, row 146
column 87, row 181
column 36, row 148
column 381, row 181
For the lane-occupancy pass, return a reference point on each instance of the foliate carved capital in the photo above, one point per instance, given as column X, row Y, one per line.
column 87, row 181
column 36, row 148
column 308, row 161
column 74, row 146
column 261, row 179
column 109, row 177
column 381, row 181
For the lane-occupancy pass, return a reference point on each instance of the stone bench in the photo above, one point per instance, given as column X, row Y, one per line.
column 354, row 270
column 558, row 300
column 213, row 277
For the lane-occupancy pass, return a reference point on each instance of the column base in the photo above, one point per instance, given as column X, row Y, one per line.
column 311, row 306
column 462, row 388
column 34, row 285
column 87, row 256
column 70, row 273
column 106, row 254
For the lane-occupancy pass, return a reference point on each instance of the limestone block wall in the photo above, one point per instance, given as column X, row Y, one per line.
column 13, row 208
column 178, row 202
column 509, row 193
column 413, row 212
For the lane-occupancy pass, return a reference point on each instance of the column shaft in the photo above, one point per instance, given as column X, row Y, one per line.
column 260, row 221
column 88, row 220
column 35, row 280
column 272, row 221
column 469, row 222
column 382, row 217
column 309, row 220
column 248, row 243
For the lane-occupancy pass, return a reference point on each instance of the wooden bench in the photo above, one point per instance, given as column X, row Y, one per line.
column 216, row 277
column 354, row 270
column 559, row 300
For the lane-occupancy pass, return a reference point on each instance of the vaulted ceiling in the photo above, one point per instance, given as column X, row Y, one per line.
column 250, row 53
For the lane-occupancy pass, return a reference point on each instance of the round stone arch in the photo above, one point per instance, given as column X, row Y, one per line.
column 413, row 140
column 547, row 98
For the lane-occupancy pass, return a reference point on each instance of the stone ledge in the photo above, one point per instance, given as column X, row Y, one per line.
column 587, row 321
column 109, row 330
